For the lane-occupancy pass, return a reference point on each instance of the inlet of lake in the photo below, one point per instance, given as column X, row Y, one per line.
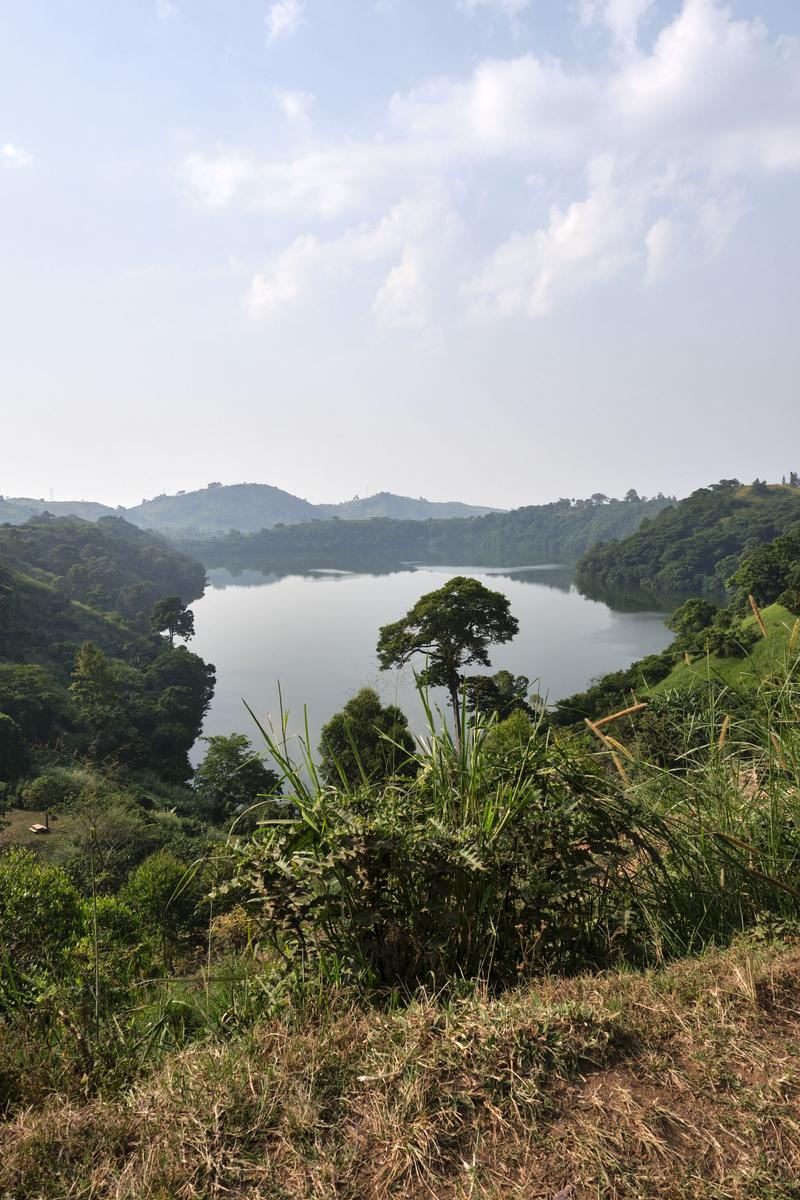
column 315, row 634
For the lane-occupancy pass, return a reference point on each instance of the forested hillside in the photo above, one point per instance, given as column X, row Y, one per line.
column 80, row 664
column 108, row 563
column 693, row 547
column 557, row 532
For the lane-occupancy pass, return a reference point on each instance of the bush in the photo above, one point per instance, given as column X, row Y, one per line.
column 41, row 913
column 47, row 792
column 164, row 894
column 457, row 873
column 366, row 741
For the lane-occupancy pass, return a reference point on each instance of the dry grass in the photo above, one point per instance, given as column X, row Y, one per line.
column 683, row 1083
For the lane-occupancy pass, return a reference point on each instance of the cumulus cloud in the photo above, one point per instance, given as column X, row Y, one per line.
column 652, row 152
column 588, row 241
column 15, row 156
column 401, row 260
column 284, row 18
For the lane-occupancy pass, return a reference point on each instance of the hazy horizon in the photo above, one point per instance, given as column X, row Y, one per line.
column 493, row 251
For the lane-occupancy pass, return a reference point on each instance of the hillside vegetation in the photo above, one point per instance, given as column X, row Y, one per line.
column 80, row 664
column 693, row 547
column 557, row 532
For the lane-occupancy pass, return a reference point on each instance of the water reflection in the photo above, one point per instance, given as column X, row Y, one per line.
column 552, row 575
column 316, row 631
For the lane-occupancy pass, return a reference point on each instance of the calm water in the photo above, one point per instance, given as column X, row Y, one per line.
column 316, row 635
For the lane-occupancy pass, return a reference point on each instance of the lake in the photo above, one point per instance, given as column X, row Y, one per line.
column 315, row 634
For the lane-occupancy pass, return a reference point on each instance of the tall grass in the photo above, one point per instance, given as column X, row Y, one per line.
column 512, row 851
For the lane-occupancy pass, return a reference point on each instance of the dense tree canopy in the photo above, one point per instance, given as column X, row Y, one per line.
column 693, row 547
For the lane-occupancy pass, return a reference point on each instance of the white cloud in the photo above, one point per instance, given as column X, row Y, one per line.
column 589, row 241
column 15, row 156
column 295, row 106
column 653, row 152
column 398, row 259
column 621, row 18
column 284, row 18
column 165, row 10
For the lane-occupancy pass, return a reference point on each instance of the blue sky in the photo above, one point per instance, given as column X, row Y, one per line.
column 497, row 250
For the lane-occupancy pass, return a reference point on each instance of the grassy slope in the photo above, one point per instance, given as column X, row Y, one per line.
column 767, row 654
column 677, row 1084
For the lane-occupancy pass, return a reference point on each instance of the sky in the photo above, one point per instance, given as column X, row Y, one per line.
column 500, row 251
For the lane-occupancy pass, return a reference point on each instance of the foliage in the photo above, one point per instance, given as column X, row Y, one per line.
column 46, row 792
column 484, row 864
column 41, row 914
column 170, row 614
column 109, row 836
column 14, row 754
column 557, row 532
column 134, row 717
column 367, row 742
column 771, row 573
column 164, row 894
column 693, row 547
column 231, row 778
column 34, row 700
column 109, row 564
column 452, row 627
column 499, row 695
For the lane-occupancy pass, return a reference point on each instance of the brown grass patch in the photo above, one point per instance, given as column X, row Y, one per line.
column 670, row 1085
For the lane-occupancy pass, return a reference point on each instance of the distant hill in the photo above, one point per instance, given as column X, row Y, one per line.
column 21, row 508
column 400, row 508
column 216, row 509
column 693, row 547
column 557, row 532
column 247, row 507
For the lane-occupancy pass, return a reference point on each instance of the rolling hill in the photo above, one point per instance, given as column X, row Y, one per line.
column 246, row 507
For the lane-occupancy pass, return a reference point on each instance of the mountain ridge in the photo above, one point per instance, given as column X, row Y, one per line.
column 245, row 507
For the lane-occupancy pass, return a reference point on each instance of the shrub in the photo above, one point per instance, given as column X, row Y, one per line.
column 41, row 913
column 46, row 792
column 457, row 873
column 164, row 894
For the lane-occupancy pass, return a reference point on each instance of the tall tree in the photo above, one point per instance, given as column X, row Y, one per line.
column 453, row 627
column 170, row 614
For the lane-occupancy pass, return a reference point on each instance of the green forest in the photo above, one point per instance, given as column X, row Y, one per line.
column 544, row 533
column 349, row 969
column 691, row 548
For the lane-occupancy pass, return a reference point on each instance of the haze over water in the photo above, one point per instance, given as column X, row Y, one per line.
column 316, row 636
